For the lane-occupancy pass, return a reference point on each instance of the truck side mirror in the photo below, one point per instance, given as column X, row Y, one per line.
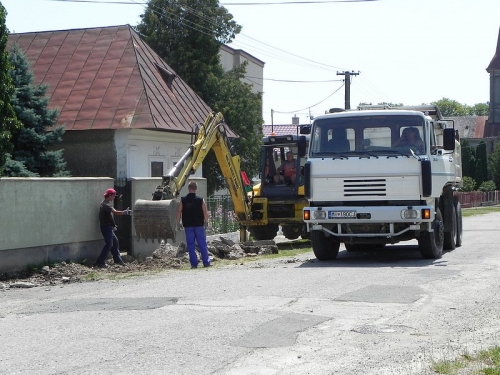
column 449, row 139
column 302, row 145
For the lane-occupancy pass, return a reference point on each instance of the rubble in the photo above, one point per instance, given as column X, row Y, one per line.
column 166, row 256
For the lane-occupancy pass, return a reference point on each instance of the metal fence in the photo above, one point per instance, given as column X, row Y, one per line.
column 478, row 198
column 221, row 217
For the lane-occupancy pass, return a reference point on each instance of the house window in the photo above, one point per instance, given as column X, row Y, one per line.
column 156, row 169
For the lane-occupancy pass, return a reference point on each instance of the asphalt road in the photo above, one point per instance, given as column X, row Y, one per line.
column 385, row 313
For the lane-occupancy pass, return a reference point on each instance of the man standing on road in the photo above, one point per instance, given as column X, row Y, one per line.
column 108, row 228
column 193, row 210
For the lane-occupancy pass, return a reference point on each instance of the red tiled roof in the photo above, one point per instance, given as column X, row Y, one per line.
column 495, row 62
column 280, row 129
column 480, row 126
column 108, row 78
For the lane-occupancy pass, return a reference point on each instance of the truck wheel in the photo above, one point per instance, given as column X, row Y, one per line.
column 291, row 232
column 325, row 248
column 450, row 237
column 458, row 239
column 264, row 232
column 431, row 243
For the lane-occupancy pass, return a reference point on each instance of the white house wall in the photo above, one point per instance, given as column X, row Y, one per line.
column 137, row 148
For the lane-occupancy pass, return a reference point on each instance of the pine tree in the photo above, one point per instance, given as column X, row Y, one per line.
column 8, row 120
column 481, row 170
column 494, row 164
column 468, row 159
column 33, row 145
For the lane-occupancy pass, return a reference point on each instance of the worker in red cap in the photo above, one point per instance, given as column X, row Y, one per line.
column 108, row 227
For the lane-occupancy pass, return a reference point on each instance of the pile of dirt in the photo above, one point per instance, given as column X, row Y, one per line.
column 164, row 257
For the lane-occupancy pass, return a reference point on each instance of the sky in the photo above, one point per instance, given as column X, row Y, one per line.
column 405, row 51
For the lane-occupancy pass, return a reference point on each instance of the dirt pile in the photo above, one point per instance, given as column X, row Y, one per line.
column 164, row 257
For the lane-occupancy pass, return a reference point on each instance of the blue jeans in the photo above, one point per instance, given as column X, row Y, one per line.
column 198, row 234
column 110, row 244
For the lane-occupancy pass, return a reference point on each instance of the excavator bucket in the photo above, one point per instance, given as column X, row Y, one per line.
column 155, row 220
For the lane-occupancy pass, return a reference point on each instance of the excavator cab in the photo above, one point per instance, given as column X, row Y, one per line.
column 275, row 182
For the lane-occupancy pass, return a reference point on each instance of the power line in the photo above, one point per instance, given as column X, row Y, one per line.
column 312, row 106
column 301, row 2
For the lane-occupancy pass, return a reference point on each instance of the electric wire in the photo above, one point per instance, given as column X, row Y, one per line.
column 312, row 106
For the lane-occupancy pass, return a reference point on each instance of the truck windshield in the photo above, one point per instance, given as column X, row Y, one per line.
column 368, row 135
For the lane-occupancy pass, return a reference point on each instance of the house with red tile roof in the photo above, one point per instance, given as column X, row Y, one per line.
column 125, row 111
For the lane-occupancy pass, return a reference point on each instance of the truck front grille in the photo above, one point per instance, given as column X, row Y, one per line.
column 365, row 187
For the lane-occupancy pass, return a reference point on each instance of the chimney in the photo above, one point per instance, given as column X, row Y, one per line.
column 295, row 120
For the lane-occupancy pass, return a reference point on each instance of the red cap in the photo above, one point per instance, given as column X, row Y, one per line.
column 109, row 192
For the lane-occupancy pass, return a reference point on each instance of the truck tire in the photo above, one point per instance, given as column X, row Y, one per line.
column 264, row 232
column 450, row 237
column 291, row 232
column 430, row 244
column 458, row 211
column 325, row 248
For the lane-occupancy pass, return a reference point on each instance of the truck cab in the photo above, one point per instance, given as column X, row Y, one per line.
column 381, row 176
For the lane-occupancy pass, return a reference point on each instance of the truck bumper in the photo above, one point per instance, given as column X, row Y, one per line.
column 367, row 221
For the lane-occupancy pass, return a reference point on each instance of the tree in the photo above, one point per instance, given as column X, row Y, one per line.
column 8, row 120
column 32, row 154
column 450, row 107
column 479, row 109
column 187, row 34
column 494, row 164
column 468, row 158
column 481, row 170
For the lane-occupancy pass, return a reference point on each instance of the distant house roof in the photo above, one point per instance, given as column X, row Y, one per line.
column 469, row 126
column 280, row 129
column 109, row 78
column 495, row 62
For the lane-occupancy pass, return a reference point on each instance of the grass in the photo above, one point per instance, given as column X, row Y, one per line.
column 486, row 362
column 466, row 212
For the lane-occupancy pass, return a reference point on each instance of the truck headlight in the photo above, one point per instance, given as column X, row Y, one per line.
column 410, row 214
column 319, row 215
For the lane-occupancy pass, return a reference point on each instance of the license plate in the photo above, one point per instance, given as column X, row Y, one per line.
column 341, row 214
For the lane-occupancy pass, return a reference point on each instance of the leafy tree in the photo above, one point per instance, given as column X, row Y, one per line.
column 242, row 111
column 481, row 170
column 494, row 164
column 479, row 109
column 32, row 154
column 468, row 184
column 187, row 34
column 8, row 120
column 468, row 158
column 450, row 107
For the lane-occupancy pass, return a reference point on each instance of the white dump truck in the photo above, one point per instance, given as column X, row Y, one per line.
column 378, row 176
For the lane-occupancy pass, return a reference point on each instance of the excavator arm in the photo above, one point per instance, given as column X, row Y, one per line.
column 156, row 219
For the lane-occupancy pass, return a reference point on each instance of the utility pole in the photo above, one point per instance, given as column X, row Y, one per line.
column 347, row 79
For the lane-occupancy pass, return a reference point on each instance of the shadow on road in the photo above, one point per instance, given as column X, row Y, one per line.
column 390, row 256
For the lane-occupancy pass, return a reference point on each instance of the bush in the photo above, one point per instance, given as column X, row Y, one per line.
column 487, row 186
column 469, row 184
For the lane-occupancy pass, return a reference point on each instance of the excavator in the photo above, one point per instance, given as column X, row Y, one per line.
column 259, row 209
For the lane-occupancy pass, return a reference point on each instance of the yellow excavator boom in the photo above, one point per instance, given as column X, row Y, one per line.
column 156, row 219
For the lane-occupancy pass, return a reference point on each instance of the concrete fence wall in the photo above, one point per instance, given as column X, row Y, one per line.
column 56, row 219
